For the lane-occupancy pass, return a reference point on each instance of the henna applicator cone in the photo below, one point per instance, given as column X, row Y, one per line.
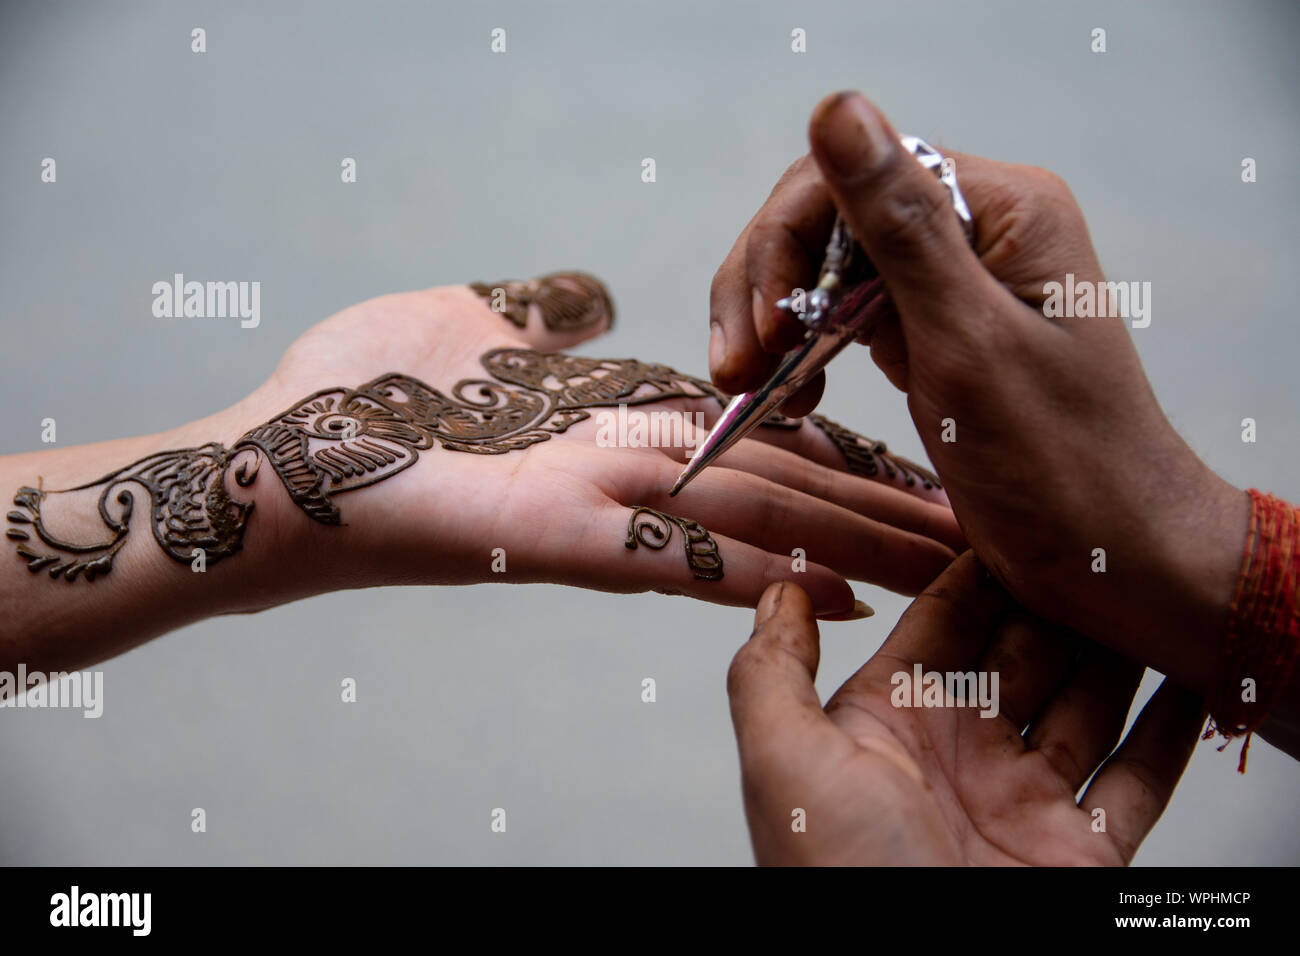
column 847, row 300
column 737, row 419
column 750, row 409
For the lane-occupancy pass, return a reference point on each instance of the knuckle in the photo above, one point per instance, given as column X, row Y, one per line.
column 1048, row 184
column 715, row 289
column 772, row 245
column 727, row 295
column 1035, row 198
column 1046, row 205
column 730, row 275
column 792, row 172
column 772, row 511
column 758, row 246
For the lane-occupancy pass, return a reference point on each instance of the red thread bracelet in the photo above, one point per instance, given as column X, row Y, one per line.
column 1263, row 633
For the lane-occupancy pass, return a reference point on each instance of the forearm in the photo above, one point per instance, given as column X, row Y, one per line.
column 75, row 589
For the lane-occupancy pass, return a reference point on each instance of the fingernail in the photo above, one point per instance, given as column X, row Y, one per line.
column 717, row 346
column 768, row 605
column 861, row 610
column 849, row 137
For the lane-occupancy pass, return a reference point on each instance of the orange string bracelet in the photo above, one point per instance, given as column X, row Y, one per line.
column 1263, row 634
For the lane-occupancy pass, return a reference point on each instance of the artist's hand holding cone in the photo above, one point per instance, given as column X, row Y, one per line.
column 1044, row 431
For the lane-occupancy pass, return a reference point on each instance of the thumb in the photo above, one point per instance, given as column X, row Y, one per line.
column 553, row 312
column 774, row 704
column 900, row 213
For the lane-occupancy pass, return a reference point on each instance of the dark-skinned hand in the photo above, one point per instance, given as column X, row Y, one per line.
column 1056, row 443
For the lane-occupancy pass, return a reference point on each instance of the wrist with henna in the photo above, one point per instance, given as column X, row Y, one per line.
column 334, row 441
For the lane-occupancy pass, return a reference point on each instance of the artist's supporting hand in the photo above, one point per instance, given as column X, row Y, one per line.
column 421, row 438
column 1045, row 431
column 865, row 782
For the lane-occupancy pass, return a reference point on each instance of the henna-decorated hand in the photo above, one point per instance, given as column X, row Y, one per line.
column 420, row 438
column 517, row 461
column 1056, row 445
column 876, row 778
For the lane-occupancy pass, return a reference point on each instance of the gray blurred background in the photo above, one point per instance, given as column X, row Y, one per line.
column 478, row 166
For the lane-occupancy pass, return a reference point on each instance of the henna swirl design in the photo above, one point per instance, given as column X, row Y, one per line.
column 190, row 509
column 701, row 550
column 335, row 441
column 567, row 301
column 865, row 456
